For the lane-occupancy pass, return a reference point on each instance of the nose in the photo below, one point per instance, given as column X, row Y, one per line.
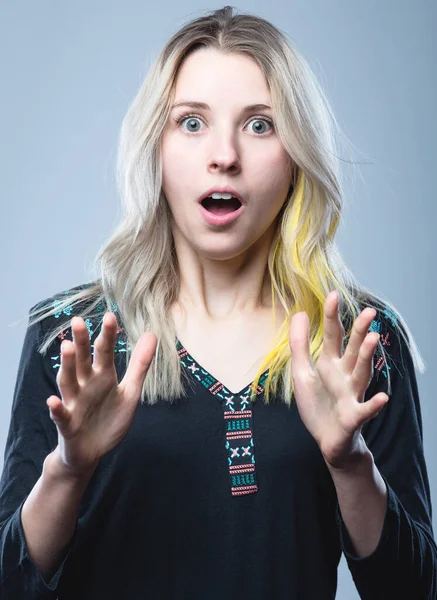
column 224, row 155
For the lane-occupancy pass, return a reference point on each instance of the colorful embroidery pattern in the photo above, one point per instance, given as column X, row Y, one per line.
column 379, row 325
column 238, row 424
column 93, row 326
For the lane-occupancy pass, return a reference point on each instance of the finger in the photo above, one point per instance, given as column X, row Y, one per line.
column 59, row 413
column 104, row 343
column 132, row 383
column 66, row 377
column 299, row 343
column 81, row 340
column 333, row 330
column 363, row 371
column 371, row 408
column 359, row 331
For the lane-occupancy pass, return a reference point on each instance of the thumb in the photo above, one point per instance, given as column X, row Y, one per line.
column 139, row 363
column 59, row 413
column 373, row 407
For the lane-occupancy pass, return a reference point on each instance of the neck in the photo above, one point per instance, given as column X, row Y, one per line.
column 218, row 289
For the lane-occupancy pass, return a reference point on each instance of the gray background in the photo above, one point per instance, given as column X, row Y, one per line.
column 68, row 72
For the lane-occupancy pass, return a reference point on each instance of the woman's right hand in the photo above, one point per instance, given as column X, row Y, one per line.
column 95, row 411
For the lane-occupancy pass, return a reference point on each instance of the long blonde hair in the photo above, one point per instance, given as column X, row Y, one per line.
column 138, row 266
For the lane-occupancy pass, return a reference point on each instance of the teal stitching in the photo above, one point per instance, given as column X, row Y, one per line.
column 238, row 425
column 391, row 316
column 247, row 479
column 375, row 326
column 89, row 325
column 66, row 311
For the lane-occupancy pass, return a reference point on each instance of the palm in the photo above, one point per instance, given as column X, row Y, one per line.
column 329, row 394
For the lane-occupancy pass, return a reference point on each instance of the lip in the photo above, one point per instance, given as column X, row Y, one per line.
column 220, row 219
column 222, row 190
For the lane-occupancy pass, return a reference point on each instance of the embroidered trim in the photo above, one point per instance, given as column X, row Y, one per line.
column 380, row 326
column 93, row 327
column 238, row 424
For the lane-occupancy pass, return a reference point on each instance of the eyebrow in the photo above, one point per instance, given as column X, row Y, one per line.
column 204, row 106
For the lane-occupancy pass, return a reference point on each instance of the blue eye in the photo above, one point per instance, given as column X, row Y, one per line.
column 193, row 118
column 183, row 118
column 262, row 120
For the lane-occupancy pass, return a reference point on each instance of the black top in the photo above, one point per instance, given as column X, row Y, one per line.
column 215, row 497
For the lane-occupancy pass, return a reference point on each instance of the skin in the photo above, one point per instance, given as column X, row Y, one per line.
column 330, row 393
column 223, row 269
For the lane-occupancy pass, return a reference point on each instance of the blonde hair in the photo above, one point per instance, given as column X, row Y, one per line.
column 138, row 265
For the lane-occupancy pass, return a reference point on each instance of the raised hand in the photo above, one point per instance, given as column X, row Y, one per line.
column 95, row 411
column 330, row 394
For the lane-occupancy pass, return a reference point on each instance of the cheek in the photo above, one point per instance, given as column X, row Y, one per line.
column 174, row 167
column 272, row 175
column 280, row 162
column 177, row 162
column 273, row 160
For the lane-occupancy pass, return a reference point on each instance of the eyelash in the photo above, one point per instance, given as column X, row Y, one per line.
column 184, row 116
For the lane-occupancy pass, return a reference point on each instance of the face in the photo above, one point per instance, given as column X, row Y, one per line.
column 223, row 145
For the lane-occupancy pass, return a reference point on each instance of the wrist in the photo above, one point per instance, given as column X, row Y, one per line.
column 55, row 468
column 358, row 458
column 359, row 464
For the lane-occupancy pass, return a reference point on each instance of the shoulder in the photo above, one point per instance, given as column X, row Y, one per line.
column 56, row 312
column 393, row 356
column 390, row 328
column 60, row 298
column 85, row 300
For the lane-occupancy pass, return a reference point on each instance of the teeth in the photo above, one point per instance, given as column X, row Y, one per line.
column 218, row 196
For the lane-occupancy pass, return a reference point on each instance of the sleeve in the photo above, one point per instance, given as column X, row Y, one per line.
column 31, row 437
column 404, row 563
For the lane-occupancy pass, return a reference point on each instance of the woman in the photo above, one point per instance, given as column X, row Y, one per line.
column 266, row 417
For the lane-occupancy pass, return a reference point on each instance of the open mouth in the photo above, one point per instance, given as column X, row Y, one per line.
column 221, row 207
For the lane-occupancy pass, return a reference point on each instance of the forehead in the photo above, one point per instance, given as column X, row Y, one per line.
column 207, row 72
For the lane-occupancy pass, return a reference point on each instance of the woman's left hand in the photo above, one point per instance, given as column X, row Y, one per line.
column 330, row 394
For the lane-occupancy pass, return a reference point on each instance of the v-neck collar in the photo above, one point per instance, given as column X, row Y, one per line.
column 212, row 384
column 237, row 423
